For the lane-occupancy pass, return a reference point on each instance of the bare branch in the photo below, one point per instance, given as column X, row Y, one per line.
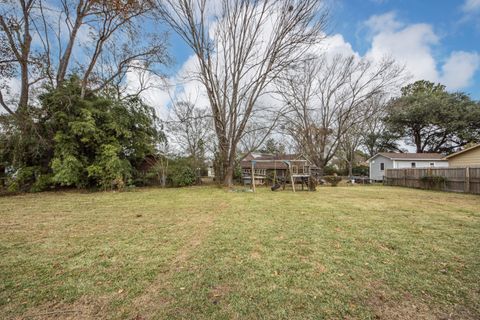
column 241, row 47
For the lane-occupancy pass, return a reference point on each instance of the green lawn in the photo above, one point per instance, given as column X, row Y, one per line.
column 201, row 253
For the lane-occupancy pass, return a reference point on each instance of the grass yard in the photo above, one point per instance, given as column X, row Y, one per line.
column 206, row 253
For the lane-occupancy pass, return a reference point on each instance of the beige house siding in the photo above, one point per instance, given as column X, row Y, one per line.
column 470, row 158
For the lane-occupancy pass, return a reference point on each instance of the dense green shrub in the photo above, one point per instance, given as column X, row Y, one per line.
column 42, row 182
column 360, row 170
column 330, row 170
column 68, row 140
column 181, row 175
column 28, row 179
column 333, row 180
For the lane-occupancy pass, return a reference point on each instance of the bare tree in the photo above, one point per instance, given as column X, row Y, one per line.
column 15, row 24
column 375, row 137
column 264, row 121
column 81, row 10
column 118, row 43
column 327, row 97
column 349, row 146
column 113, row 43
column 241, row 46
column 191, row 129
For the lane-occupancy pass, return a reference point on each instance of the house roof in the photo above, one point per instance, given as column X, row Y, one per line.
column 409, row 156
column 462, row 151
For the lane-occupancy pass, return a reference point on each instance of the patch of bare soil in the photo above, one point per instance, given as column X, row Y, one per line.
column 217, row 293
column 83, row 308
column 409, row 308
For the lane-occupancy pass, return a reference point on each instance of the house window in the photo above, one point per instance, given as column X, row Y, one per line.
column 382, row 166
column 413, row 165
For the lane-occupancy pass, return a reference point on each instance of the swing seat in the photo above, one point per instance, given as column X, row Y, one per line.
column 275, row 187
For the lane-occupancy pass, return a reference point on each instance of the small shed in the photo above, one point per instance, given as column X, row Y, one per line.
column 392, row 160
column 468, row 157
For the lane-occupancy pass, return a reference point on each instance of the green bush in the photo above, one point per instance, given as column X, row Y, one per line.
column 360, row 170
column 29, row 179
column 109, row 170
column 74, row 141
column 43, row 182
column 330, row 170
column 181, row 176
column 333, row 180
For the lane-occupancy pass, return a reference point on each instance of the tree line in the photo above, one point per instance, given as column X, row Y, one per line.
column 71, row 117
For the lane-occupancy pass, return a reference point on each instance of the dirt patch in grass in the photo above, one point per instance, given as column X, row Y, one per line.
column 84, row 308
column 218, row 292
column 407, row 307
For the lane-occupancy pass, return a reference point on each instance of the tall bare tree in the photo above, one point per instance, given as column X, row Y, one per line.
column 349, row 146
column 113, row 43
column 327, row 96
column 191, row 129
column 15, row 24
column 241, row 46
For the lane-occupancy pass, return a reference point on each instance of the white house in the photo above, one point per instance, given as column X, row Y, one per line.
column 391, row 160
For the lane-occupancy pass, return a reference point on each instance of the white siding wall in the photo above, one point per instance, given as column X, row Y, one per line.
column 375, row 172
column 402, row 164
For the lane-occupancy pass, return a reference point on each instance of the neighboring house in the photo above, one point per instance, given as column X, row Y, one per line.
column 391, row 160
column 269, row 165
column 469, row 157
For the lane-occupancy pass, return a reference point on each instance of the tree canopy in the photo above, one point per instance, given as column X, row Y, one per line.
column 432, row 119
column 79, row 142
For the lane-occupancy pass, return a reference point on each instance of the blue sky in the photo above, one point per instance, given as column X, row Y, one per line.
column 437, row 40
column 456, row 29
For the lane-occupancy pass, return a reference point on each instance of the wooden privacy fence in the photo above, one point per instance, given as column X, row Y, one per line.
column 443, row 179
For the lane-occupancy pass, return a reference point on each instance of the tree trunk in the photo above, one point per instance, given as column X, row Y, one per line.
column 228, row 179
column 63, row 65
column 321, row 168
column 224, row 168
column 24, row 90
column 418, row 141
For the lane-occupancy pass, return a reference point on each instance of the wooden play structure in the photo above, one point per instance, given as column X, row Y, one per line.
column 279, row 171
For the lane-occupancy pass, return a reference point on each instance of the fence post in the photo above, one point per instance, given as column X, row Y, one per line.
column 404, row 177
column 467, row 179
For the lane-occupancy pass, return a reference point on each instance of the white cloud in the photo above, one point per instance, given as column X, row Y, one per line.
column 459, row 69
column 413, row 46
column 160, row 92
column 384, row 22
column 471, row 5
column 334, row 45
column 157, row 94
